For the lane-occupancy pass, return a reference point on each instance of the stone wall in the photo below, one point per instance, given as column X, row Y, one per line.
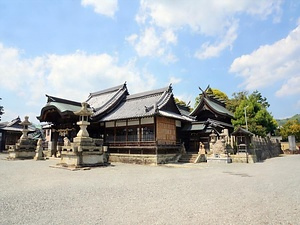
column 165, row 131
column 143, row 159
column 265, row 148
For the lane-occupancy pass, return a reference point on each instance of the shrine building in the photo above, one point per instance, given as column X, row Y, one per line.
column 138, row 128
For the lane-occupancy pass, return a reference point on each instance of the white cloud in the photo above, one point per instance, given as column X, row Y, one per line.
column 291, row 87
column 132, row 39
column 174, row 80
column 104, row 7
column 279, row 62
column 71, row 76
column 149, row 44
column 169, row 36
column 208, row 17
column 169, row 58
column 209, row 51
column 213, row 18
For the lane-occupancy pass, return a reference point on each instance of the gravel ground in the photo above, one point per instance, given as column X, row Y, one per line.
column 263, row 193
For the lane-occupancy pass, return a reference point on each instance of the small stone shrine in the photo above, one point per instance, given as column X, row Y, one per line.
column 218, row 152
column 83, row 150
column 25, row 147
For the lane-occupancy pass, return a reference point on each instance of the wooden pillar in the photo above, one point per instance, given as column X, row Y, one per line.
column 155, row 129
column 115, row 131
column 140, row 132
column 126, row 132
column 53, row 150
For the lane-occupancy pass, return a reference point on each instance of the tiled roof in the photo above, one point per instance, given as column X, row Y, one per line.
column 101, row 102
column 184, row 110
column 218, row 123
column 63, row 106
column 104, row 101
column 242, row 131
column 219, row 108
column 195, row 126
column 213, row 105
column 145, row 104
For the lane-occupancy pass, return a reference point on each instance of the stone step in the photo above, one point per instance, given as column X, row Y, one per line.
column 188, row 158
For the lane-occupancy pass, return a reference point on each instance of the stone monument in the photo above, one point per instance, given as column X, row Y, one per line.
column 83, row 150
column 292, row 143
column 24, row 148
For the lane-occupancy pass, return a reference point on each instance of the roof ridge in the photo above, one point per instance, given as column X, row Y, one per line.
column 147, row 93
column 109, row 102
column 112, row 89
column 62, row 100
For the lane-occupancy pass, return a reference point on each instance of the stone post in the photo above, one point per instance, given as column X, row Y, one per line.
column 39, row 150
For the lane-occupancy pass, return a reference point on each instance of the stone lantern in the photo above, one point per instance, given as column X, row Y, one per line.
column 223, row 137
column 25, row 130
column 213, row 139
column 24, row 148
column 83, row 151
column 84, row 113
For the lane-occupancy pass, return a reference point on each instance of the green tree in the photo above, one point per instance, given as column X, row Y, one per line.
column 260, row 99
column 259, row 120
column 1, row 110
column 236, row 99
column 291, row 127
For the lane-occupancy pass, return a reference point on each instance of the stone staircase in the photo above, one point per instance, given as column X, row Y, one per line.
column 188, row 158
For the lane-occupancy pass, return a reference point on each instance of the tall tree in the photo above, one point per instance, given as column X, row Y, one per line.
column 259, row 120
column 236, row 99
column 1, row 110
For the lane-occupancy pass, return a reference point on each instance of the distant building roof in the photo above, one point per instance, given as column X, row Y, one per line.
column 15, row 126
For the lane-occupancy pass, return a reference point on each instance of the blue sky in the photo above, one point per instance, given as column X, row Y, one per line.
column 70, row 48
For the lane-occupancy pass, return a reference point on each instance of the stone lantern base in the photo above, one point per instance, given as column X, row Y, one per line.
column 221, row 158
column 81, row 159
column 81, row 154
column 25, row 149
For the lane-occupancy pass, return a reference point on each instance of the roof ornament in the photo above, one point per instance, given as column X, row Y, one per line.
column 155, row 107
column 204, row 93
column 170, row 87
